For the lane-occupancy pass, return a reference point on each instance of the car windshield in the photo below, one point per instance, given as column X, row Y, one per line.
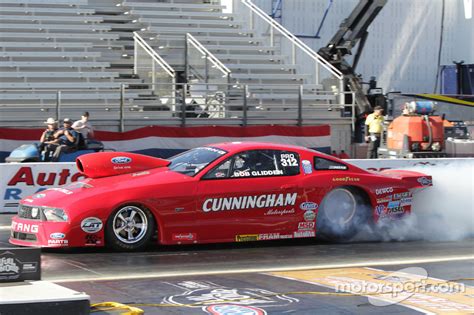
column 193, row 161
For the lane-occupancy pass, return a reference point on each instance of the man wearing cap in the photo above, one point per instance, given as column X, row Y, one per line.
column 65, row 141
column 373, row 131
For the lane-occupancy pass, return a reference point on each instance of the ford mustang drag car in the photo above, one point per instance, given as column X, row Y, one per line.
column 228, row 192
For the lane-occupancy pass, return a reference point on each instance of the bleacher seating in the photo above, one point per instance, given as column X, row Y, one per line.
column 85, row 49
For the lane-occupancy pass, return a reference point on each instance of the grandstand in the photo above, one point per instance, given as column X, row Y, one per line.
column 134, row 63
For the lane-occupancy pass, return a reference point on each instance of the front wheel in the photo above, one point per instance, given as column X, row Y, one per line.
column 342, row 213
column 130, row 228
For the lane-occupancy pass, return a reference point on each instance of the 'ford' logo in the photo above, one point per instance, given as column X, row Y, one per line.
column 308, row 205
column 121, row 160
column 57, row 236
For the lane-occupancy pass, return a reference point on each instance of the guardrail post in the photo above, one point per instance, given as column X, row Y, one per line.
column 183, row 105
column 186, row 57
column 251, row 20
column 206, row 69
column 58, row 105
column 245, row 106
column 272, row 36
column 300, row 105
column 135, row 56
column 153, row 73
column 342, row 99
column 293, row 53
column 122, row 108
column 316, row 73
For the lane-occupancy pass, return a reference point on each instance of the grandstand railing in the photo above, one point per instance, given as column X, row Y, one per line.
column 201, row 63
column 192, row 104
column 152, row 68
column 300, row 54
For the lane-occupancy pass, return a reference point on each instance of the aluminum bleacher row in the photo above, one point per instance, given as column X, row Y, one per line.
column 85, row 49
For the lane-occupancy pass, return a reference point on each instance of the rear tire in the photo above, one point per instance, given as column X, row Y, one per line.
column 130, row 228
column 342, row 213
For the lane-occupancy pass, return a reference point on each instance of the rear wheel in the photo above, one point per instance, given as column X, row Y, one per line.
column 342, row 213
column 130, row 228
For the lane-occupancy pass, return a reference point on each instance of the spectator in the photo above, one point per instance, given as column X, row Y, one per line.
column 334, row 153
column 48, row 134
column 65, row 141
column 343, row 155
column 373, row 131
column 84, row 127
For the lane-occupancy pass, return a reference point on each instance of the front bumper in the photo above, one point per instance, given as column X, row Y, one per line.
column 37, row 233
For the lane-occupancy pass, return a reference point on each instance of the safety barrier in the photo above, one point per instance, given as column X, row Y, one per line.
column 22, row 180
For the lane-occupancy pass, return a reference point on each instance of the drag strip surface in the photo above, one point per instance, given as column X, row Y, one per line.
column 165, row 261
column 292, row 292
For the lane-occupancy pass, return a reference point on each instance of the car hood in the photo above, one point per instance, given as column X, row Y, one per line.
column 64, row 196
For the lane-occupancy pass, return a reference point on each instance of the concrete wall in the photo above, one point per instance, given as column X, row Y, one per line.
column 402, row 49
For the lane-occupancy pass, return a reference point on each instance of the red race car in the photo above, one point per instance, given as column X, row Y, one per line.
column 227, row 192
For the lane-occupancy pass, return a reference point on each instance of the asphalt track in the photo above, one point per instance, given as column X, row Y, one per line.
column 280, row 277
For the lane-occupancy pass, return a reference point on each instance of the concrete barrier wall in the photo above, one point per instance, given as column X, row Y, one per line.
column 21, row 180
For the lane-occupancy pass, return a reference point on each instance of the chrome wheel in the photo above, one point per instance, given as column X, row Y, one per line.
column 130, row 224
column 341, row 206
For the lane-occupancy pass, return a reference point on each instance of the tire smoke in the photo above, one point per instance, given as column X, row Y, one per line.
column 443, row 212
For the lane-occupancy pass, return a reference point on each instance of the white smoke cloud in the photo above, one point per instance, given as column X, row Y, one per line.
column 444, row 212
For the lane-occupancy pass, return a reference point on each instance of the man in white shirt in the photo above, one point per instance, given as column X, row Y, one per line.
column 84, row 127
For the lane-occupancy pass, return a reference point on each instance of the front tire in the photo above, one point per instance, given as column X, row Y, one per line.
column 130, row 228
column 342, row 213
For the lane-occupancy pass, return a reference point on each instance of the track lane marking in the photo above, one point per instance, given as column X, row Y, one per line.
column 78, row 265
column 374, row 263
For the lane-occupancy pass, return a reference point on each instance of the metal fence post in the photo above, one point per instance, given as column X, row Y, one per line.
column 186, row 57
column 293, row 53
column 58, row 105
column 206, row 69
column 122, row 108
column 153, row 73
column 272, row 36
column 251, row 20
column 245, row 106
column 135, row 56
column 183, row 105
column 300, row 106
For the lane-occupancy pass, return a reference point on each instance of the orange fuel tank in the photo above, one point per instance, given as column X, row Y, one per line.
column 417, row 130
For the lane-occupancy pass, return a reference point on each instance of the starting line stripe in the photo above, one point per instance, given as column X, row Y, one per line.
column 418, row 292
column 147, row 275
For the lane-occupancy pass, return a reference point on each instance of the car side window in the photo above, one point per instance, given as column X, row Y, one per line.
column 322, row 164
column 220, row 171
column 257, row 163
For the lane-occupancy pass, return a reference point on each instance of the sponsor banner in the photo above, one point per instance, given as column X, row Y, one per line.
column 20, row 264
column 168, row 141
column 25, row 179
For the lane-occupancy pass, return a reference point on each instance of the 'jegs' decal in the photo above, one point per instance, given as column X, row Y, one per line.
column 249, row 202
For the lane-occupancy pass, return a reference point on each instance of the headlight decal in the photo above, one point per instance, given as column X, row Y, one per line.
column 55, row 215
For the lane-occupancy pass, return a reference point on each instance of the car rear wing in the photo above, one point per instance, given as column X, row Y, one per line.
column 413, row 179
